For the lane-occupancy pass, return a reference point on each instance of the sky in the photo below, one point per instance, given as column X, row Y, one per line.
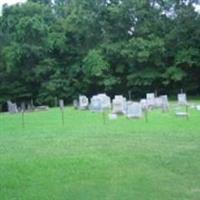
column 10, row 2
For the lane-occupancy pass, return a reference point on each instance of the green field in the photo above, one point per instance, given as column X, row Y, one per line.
column 87, row 159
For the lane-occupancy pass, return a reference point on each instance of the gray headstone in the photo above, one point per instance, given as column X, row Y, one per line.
column 182, row 99
column 12, row 107
column 158, row 102
column 61, row 104
column 150, row 99
column 75, row 104
column 144, row 104
column 165, row 103
column 95, row 104
column 42, row 108
column 23, row 107
column 134, row 110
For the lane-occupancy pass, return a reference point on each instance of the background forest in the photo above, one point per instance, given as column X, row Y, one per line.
column 70, row 47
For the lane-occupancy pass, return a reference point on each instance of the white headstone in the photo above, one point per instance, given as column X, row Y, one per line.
column 150, row 99
column 119, row 105
column 61, row 104
column 100, row 102
column 198, row 107
column 105, row 101
column 134, row 110
column 112, row 116
column 182, row 99
column 95, row 104
column 83, row 102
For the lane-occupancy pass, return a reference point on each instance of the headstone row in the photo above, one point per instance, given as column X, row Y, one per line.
column 12, row 107
column 98, row 103
column 120, row 106
column 152, row 102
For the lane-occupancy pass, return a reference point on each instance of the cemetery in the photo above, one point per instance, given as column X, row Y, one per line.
column 99, row 99
column 100, row 142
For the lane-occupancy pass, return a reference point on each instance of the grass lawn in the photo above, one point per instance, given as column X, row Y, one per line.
column 87, row 159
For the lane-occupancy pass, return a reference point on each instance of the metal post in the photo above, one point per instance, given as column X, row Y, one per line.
column 23, row 122
column 187, row 111
column 23, row 107
column 104, row 117
column 146, row 115
column 63, row 119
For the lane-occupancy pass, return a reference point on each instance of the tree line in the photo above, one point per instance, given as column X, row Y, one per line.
column 64, row 48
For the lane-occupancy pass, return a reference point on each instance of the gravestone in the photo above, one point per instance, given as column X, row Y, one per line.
column 95, row 104
column 134, row 110
column 42, row 108
column 128, row 103
column 165, row 103
column 105, row 101
column 83, row 102
column 12, row 107
column 198, row 107
column 119, row 105
column 182, row 114
column 144, row 104
column 75, row 104
column 158, row 102
column 29, row 107
column 23, row 107
column 61, row 104
column 150, row 99
column 112, row 116
column 100, row 102
column 182, row 99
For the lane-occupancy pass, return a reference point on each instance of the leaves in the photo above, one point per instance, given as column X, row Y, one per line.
column 89, row 46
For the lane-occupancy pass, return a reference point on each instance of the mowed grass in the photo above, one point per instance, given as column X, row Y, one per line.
column 87, row 159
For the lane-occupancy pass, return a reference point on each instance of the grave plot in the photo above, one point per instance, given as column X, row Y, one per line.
column 150, row 97
column 83, row 102
column 12, row 107
column 182, row 110
column 134, row 110
column 99, row 103
column 119, row 105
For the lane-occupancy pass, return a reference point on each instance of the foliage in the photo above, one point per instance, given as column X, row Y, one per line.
column 66, row 48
